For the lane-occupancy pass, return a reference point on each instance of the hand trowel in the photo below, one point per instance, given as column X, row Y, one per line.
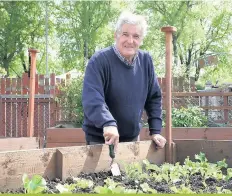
column 113, row 166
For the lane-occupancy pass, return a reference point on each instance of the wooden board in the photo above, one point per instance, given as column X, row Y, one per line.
column 73, row 160
column 209, row 133
column 62, row 137
column 62, row 144
column 21, row 143
column 13, row 164
column 215, row 150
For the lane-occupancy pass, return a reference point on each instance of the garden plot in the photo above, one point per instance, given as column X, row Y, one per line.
column 85, row 169
column 198, row 176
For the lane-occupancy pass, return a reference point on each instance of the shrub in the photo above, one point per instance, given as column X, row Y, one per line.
column 192, row 116
column 70, row 101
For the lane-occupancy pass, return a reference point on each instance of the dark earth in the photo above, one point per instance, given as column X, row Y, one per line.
column 195, row 183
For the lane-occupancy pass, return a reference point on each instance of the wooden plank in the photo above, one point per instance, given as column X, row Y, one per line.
column 214, row 150
column 15, row 163
column 72, row 136
column 208, row 133
column 3, row 86
column 197, row 94
column 65, row 135
column 63, row 144
column 73, row 160
column 21, row 143
column 36, row 118
column 14, row 108
column 52, row 83
column 41, row 84
column 19, row 118
column 25, row 84
column 19, row 86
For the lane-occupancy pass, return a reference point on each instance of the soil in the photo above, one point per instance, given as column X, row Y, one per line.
column 196, row 183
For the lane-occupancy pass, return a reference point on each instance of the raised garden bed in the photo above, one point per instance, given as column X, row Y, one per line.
column 61, row 137
column 197, row 176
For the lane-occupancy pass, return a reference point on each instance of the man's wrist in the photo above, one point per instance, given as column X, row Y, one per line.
column 106, row 128
column 154, row 131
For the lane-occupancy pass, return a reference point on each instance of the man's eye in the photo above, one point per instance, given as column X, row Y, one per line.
column 136, row 36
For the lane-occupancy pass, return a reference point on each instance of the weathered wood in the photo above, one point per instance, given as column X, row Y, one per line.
column 15, row 163
column 22, row 143
column 215, row 150
column 73, row 160
column 64, row 144
column 208, row 133
column 197, row 94
column 62, row 137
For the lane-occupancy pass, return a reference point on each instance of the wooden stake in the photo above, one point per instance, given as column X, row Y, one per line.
column 30, row 130
column 168, row 43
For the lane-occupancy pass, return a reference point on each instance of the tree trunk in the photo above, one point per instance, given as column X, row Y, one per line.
column 6, row 65
column 175, row 50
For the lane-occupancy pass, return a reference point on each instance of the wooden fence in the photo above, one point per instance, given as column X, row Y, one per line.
column 14, row 99
column 49, row 85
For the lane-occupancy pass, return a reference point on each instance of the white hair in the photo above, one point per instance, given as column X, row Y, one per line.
column 127, row 17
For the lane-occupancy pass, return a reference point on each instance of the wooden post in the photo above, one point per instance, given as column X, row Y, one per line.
column 168, row 36
column 30, row 130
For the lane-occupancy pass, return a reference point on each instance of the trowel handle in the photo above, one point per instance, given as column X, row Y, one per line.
column 111, row 151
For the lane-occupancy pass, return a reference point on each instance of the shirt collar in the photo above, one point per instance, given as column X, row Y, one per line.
column 123, row 59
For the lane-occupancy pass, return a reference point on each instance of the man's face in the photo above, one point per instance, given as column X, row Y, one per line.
column 128, row 40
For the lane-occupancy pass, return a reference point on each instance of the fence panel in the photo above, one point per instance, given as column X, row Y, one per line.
column 14, row 99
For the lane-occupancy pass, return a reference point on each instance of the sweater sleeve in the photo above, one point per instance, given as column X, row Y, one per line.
column 93, row 99
column 153, row 104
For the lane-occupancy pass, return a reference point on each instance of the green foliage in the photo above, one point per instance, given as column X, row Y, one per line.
column 144, row 174
column 35, row 185
column 191, row 116
column 79, row 183
column 71, row 101
column 2, row 71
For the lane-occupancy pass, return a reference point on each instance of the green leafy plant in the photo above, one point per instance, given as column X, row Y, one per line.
column 135, row 171
column 70, row 101
column 79, row 182
column 192, row 116
column 147, row 189
column 36, row 184
column 182, row 190
column 111, row 187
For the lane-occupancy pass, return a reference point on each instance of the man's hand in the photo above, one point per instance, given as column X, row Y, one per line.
column 159, row 140
column 111, row 136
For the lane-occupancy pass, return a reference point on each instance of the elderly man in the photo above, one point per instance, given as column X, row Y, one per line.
column 119, row 84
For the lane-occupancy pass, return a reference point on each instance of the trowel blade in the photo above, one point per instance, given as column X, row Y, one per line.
column 115, row 169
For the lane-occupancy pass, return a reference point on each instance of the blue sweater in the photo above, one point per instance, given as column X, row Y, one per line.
column 116, row 94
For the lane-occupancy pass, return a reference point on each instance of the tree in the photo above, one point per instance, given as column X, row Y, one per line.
column 201, row 27
column 78, row 25
column 21, row 26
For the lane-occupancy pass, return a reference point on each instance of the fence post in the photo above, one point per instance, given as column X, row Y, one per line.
column 2, row 131
column 168, row 35
column 30, row 131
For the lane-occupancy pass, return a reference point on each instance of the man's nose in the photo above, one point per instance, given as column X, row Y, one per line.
column 130, row 39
